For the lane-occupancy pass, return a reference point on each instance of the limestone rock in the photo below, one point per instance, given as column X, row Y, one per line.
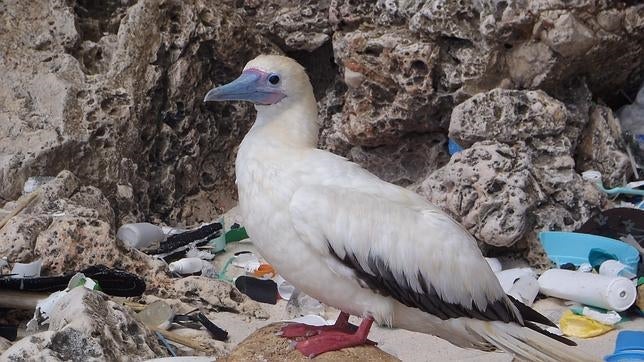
column 601, row 148
column 105, row 89
column 519, row 175
column 293, row 25
column 19, row 236
column 395, row 95
column 488, row 188
column 70, row 227
column 265, row 345
column 88, row 326
column 508, row 116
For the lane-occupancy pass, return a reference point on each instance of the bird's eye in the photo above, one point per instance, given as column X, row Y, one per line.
column 273, row 79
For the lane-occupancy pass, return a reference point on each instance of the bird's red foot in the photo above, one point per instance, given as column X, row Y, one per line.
column 333, row 340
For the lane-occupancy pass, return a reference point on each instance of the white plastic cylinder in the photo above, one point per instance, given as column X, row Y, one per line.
column 140, row 235
column 186, row 266
column 612, row 293
column 613, row 268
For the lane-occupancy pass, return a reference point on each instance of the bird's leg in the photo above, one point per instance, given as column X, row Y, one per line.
column 333, row 340
column 294, row 330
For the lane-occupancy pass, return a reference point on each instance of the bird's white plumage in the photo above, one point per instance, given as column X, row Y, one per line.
column 299, row 204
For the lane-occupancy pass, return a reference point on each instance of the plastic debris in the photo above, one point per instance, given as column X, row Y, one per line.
column 284, row 288
column 265, row 271
column 28, row 270
column 157, row 314
column 140, row 235
column 166, row 344
column 570, row 247
column 509, row 276
column 570, row 266
column 312, row 320
column 188, row 266
column 261, row 290
column 453, row 147
column 629, row 347
column 575, row 325
column 301, row 304
column 585, row 268
column 591, row 289
column 216, row 332
column 521, row 283
column 112, row 281
column 34, row 182
column 193, row 252
column 176, row 245
column 596, row 178
column 246, row 260
column 613, row 268
column 609, row 317
column 631, row 117
column 525, row 289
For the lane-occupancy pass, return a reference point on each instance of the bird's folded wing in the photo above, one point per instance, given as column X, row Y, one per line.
column 410, row 251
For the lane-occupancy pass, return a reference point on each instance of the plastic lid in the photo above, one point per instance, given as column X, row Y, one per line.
column 629, row 341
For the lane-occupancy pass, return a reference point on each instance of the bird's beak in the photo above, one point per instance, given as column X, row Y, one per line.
column 250, row 86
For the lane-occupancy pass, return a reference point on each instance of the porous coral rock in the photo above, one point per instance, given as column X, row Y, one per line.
column 87, row 326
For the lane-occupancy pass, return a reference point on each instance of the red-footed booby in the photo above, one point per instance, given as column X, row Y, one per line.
column 365, row 246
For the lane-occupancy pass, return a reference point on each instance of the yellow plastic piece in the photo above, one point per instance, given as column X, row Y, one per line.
column 575, row 325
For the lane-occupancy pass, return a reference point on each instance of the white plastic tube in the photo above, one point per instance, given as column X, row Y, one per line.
column 612, row 293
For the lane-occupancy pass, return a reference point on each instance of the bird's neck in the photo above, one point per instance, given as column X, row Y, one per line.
column 292, row 124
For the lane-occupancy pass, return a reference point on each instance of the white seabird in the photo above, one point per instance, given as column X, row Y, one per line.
column 365, row 246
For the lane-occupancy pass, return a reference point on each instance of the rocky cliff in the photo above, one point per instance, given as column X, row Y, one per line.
column 113, row 90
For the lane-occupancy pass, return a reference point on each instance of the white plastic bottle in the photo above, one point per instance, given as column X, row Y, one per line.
column 612, row 293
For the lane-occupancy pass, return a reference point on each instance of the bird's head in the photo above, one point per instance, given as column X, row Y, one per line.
column 266, row 81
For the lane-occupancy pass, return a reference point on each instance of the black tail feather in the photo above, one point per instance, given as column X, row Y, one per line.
column 531, row 316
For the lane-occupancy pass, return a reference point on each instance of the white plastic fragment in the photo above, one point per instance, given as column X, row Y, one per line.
column 140, row 235
column 609, row 318
column 187, row 266
column 28, row 270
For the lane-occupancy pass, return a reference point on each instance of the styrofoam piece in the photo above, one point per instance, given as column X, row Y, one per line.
column 594, row 290
column 140, row 235
column 495, row 264
column 28, row 270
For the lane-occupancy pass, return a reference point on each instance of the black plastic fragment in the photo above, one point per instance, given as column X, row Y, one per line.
column 261, row 290
column 216, row 332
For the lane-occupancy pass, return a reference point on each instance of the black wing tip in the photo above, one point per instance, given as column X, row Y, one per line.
column 529, row 314
column 556, row 337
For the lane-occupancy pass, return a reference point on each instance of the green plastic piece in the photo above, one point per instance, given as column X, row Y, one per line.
column 236, row 235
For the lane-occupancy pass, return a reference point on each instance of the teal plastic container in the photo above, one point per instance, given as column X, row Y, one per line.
column 568, row 247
